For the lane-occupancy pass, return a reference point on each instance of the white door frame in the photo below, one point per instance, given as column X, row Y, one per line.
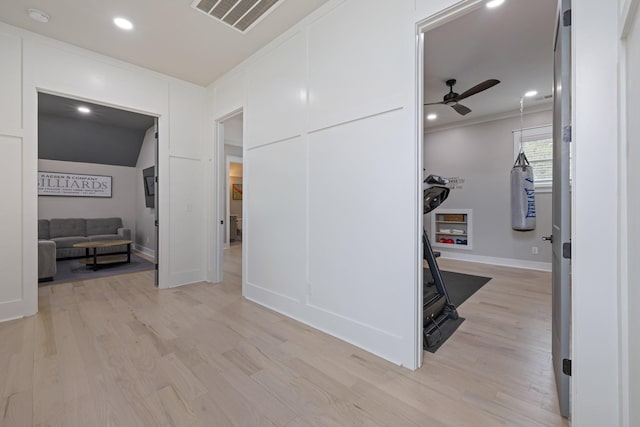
column 230, row 159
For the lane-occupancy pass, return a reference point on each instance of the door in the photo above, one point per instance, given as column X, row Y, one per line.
column 157, row 208
column 561, row 204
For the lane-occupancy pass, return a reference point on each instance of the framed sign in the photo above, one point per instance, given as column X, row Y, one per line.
column 73, row 185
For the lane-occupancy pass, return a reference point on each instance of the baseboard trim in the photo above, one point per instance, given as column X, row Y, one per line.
column 505, row 262
column 145, row 250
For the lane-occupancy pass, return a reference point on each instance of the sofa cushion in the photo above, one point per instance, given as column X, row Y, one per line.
column 101, row 226
column 68, row 242
column 65, row 227
column 98, row 237
column 43, row 229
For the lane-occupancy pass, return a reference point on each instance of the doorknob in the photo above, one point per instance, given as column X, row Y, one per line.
column 548, row 238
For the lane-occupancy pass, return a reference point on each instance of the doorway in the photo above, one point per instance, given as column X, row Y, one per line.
column 475, row 66
column 97, row 192
column 233, row 231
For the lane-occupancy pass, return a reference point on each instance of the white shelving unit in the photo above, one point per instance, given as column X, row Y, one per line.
column 452, row 228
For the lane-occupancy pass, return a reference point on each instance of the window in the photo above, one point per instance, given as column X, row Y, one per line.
column 538, row 146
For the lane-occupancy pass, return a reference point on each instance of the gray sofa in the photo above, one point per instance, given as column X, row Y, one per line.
column 65, row 232
column 47, row 266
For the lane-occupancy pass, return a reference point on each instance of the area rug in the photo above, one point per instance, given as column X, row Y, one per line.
column 459, row 287
column 70, row 270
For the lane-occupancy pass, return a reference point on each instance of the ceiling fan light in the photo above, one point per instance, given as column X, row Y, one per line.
column 432, row 116
column 494, row 3
column 531, row 93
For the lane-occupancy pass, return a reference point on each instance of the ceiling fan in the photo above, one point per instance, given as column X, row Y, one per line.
column 452, row 98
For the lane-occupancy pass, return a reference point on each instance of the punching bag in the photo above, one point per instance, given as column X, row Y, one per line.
column 523, row 197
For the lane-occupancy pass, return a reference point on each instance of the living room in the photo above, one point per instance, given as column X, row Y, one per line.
column 96, row 193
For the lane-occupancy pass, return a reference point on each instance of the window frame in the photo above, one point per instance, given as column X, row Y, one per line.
column 532, row 134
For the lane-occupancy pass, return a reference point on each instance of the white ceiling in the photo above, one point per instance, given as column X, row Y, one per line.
column 169, row 35
column 512, row 43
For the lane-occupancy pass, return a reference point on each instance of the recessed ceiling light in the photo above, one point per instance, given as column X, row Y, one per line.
column 125, row 24
column 84, row 110
column 531, row 93
column 494, row 3
column 432, row 116
column 38, row 15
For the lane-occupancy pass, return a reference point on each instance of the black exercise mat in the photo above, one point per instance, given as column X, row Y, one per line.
column 460, row 287
column 71, row 270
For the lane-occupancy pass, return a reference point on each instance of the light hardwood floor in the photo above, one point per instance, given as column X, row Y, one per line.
column 118, row 352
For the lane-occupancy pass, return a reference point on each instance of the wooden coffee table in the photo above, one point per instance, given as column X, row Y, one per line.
column 94, row 259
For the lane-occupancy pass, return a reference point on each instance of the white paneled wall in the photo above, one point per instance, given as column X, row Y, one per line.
column 357, row 61
column 185, row 219
column 630, row 294
column 275, row 216
column 10, row 82
column 11, row 221
column 277, row 94
column 32, row 63
column 14, row 301
column 330, row 174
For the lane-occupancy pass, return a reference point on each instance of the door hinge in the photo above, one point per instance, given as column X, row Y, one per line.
column 156, row 135
column 566, row 18
column 566, row 133
column 222, row 222
column 157, row 223
column 566, row 366
column 566, row 250
column 157, row 179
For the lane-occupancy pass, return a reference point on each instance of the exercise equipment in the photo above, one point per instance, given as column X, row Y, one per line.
column 523, row 192
column 523, row 195
column 436, row 305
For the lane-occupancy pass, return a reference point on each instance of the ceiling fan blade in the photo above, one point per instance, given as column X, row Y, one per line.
column 478, row 88
column 435, row 103
column 461, row 109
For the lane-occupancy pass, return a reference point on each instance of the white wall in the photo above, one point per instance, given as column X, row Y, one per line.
column 121, row 204
column 327, row 124
column 360, row 80
column 630, row 292
column 31, row 63
column 595, row 387
column 482, row 154
column 145, row 233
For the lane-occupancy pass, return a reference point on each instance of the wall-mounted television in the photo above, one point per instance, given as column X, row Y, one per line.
column 149, row 181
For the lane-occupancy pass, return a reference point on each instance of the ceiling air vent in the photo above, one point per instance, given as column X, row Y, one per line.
column 239, row 14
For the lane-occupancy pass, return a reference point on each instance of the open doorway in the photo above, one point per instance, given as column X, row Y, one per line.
column 479, row 62
column 233, row 235
column 97, row 198
column 230, row 137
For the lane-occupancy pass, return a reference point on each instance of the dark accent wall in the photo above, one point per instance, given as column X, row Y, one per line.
column 75, row 140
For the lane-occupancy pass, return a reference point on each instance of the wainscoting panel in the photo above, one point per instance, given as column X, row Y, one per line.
column 10, row 82
column 356, row 68
column 274, row 219
column 11, row 219
column 186, row 115
column 360, row 244
column 185, row 222
column 277, row 93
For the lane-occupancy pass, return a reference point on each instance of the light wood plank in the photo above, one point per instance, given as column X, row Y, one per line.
column 116, row 351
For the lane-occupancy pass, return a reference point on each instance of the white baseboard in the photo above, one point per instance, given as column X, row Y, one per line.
column 505, row 262
column 144, row 250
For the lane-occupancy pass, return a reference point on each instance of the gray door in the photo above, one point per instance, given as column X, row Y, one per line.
column 157, row 207
column 561, row 215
